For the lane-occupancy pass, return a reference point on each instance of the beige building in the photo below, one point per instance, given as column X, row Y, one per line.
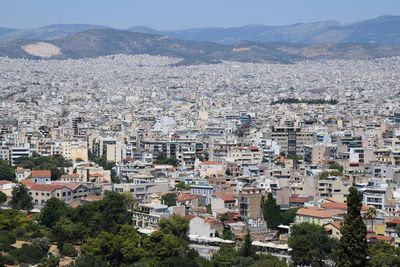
column 317, row 215
column 74, row 150
column 114, row 152
column 333, row 187
column 250, row 206
column 245, row 155
column 291, row 139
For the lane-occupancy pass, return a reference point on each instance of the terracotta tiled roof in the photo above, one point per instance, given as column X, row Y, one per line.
column 45, row 187
column 186, row 197
column 334, row 205
column 318, row 212
column 393, row 221
column 339, row 205
column 41, row 173
column 297, row 199
column 212, row 163
column 27, row 182
column 3, row 182
column 96, row 174
column 226, row 196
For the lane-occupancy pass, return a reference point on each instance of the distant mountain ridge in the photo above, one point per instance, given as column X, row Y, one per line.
column 48, row 32
column 379, row 37
column 103, row 42
column 383, row 30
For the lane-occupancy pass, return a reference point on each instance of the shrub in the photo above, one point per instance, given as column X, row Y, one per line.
column 68, row 250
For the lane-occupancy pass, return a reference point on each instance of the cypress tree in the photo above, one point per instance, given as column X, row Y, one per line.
column 353, row 247
column 271, row 212
column 247, row 249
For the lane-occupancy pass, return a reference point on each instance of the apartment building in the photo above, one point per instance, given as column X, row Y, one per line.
column 291, row 139
column 250, row 207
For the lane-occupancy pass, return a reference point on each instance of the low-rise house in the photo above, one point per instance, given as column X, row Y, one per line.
column 221, row 200
column 204, row 226
column 41, row 176
column 7, row 187
column 66, row 192
column 317, row 215
column 149, row 214
column 73, row 177
column 187, row 200
column 21, row 173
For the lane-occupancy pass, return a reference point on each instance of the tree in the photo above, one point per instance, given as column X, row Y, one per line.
column 51, row 261
column 3, row 198
column 227, row 234
column 182, row 186
column 7, row 238
column 271, row 212
column 176, row 225
column 336, row 166
column 225, row 256
column 169, row 199
column 268, row 260
column 353, row 246
column 52, row 212
column 67, row 231
column 288, row 216
column 247, row 250
column 21, row 200
column 163, row 159
column 30, row 254
column 129, row 200
column 68, row 250
column 382, row 254
column 371, row 214
column 7, row 172
column 113, row 213
column 397, row 230
column 90, row 260
column 310, row 243
column 161, row 245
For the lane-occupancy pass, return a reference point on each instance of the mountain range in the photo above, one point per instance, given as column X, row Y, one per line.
column 378, row 37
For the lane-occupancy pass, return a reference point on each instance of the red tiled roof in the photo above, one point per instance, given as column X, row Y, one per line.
column 186, row 197
column 45, row 187
column 27, row 182
column 339, row 205
column 393, row 221
column 71, row 186
column 297, row 199
column 226, row 196
column 41, row 173
column 212, row 163
column 97, row 174
column 318, row 212
column 3, row 182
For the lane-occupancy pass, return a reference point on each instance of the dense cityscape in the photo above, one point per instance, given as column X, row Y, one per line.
column 231, row 152
column 220, row 134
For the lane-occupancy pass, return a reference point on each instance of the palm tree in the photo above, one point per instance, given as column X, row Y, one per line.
column 371, row 214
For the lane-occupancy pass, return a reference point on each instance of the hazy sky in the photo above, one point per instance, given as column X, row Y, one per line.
column 179, row 14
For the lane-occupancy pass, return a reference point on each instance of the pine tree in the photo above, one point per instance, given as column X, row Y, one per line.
column 271, row 212
column 247, row 249
column 353, row 247
column 21, row 200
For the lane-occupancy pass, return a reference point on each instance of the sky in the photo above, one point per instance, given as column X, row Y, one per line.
column 183, row 14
